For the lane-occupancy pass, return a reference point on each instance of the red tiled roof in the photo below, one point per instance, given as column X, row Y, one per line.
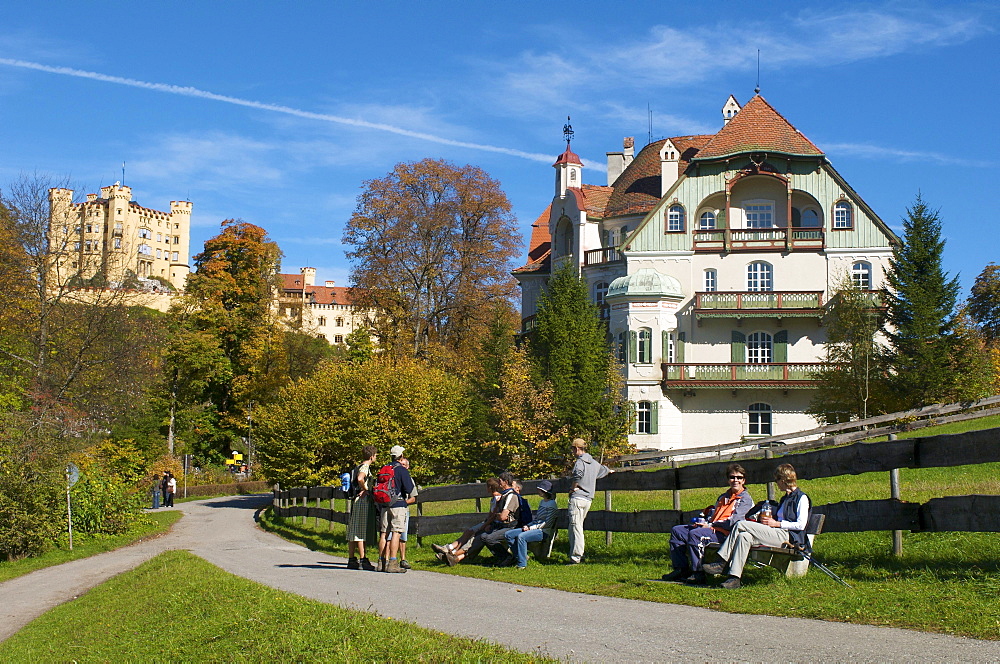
column 540, row 245
column 291, row 285
column 568, row 157
column 595, row 198
column 758, row 128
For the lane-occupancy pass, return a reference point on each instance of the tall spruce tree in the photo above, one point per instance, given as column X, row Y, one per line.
column 569, row 349
column 921, row 314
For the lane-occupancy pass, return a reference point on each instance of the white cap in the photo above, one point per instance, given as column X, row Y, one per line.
column 396, row 451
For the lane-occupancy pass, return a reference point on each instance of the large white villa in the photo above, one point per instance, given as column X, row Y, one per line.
column 712, row 259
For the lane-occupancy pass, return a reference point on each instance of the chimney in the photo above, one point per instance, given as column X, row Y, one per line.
column 619, row 161
column 308, row 276
column 329, row 283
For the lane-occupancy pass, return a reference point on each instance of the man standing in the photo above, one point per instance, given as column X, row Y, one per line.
column 393, row 516
column 586, row 472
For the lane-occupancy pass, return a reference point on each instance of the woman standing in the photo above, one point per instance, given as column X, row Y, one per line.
column 362, row 526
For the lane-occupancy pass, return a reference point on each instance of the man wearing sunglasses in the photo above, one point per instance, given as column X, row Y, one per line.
column 688, row 540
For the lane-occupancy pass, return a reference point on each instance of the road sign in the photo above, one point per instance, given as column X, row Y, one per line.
column 72, row 474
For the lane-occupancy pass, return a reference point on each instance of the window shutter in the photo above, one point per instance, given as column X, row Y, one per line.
column 720, row 219
column 634, row 407
column 781, row 347
column 633, row 346
column 654, row 409
column 665, row 349
column 679, row 348
column 738, row 348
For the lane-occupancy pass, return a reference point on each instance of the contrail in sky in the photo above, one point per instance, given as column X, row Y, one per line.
column 276, row 108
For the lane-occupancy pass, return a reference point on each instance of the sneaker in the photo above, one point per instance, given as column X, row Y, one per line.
column 353, row 564
column 451, row 559
column 366, row 565
column 519, row 567
column 714, row 569
column 572, row 562
column 393, row 567
column 405, row 565
column 439, row 549
column 732, row 583
column 676, row 575
column 696, row 579
column 439, row 556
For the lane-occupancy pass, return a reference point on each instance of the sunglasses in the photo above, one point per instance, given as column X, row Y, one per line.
column 736, row 477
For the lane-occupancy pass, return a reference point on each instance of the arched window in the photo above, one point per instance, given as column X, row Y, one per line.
column 564, row 237
column 810, row 218
column 760, row 348
column 706, row 221
column 760, row 276
column 645, row 352
column 600, row 291
column 861, row 275
column 675, row 219
column 843, row 215
column 645, row 417
column 760, row 419
column 711, row 280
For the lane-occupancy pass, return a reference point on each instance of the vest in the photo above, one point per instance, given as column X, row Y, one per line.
column 789, row 504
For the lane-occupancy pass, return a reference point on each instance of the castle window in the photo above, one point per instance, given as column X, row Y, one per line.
column 707, row 221
column 843, row 215
column 338, row 339
column 711, row 280
column 158, row 253
column 176, row 256
column 675, row 219
column 760, row 276
column 861, row 275
column 322, row 321
column 759, row 419
column 340, row 322
column 118, row 243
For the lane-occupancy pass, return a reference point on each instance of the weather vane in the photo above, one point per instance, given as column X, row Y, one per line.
column 567, row 132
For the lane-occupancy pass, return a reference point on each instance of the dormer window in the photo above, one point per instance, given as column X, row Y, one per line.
column 675, row 219
column 843, row 215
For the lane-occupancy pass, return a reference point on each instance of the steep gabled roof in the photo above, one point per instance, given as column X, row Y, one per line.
column 291, row 286
column 758, row 128
column 539, row 248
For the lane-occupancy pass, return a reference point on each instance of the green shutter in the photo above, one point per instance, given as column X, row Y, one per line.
column 720, row 219
column 634, row 407
column 665, row 349
column 633, row 346
column 781, row 347
column 654, row 409
column 679, row 348
column 738, row 348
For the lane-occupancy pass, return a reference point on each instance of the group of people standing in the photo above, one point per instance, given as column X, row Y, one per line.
column 166, row 487
column 383, row 525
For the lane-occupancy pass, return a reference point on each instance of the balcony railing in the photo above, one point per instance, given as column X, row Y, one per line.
column 758, row 300
column 724, row 375
column 763, row 239
column 601, row 256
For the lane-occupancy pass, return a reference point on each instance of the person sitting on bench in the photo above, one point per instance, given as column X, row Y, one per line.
column 688, row 540
column 786, row 527
column 465, row 540
column 535, row 531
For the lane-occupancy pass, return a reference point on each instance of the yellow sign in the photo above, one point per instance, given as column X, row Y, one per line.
column 237, row 457
column 230, row 462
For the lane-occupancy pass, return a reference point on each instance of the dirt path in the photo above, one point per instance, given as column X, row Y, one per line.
column 560, row 624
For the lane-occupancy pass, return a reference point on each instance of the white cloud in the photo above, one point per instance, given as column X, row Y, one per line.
column 869, row 151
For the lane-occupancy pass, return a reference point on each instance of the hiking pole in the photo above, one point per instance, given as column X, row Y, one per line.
column 821, row 567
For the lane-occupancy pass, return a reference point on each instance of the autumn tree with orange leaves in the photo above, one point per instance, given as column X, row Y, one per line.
column 432, row 245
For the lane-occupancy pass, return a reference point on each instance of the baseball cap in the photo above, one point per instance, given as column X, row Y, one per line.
column 396, row 451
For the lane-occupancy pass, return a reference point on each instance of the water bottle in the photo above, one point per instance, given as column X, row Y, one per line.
column 765, row 511
column 345, row 482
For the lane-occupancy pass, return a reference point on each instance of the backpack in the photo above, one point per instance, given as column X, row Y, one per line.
column 386, row 492
column 523, row 513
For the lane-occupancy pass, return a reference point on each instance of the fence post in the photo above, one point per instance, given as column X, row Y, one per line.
column 607, row 508
column 420, row 513
column 768, row 454
column 677, row 492
column 316, row 518
column 479, row 502
column 897, row 535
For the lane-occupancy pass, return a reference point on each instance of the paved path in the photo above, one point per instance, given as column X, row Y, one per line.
column 565, row 625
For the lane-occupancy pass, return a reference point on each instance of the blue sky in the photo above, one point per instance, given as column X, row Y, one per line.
column 278, row 112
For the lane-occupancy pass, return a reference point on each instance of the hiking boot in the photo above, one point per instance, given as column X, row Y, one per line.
column 696, row 579
column 439, row 556
column 713, row 569
column 676, row 575
column 732, row 583
column 353, row 564
column 405, row 565
column 366, row 565
column 381, row 565
column 392, row 567
column 451, row 559
column 438, row 548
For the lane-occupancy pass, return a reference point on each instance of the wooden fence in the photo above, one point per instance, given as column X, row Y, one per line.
column 975, row 513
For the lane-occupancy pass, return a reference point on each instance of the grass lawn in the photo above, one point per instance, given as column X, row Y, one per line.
column 154, row 523
column 944, row 582
column 190, row 610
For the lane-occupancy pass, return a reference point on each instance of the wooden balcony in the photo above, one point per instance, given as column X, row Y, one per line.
column 760, row 239
column 740, row 375
column 758, row 304
column 602, row 256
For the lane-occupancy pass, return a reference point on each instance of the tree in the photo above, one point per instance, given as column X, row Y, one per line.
column 852, row 385
column 318, row 425
column 984, row 303
column 431, row 245
column 927, row 359
column 568, row 349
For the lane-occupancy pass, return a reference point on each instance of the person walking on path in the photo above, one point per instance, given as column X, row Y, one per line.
column 787, row 526
column 405, row 534
column 363, row 524
column 688, row 540
column 586, row 472
column 392, row 518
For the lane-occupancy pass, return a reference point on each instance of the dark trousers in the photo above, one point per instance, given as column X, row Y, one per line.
column 687, row 543
column 496, row 541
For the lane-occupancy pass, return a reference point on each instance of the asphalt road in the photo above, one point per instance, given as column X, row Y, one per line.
column 564, row 625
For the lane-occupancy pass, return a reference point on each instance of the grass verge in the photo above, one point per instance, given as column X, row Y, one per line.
column 214, row 616
column 154, row 523
column 944, row 582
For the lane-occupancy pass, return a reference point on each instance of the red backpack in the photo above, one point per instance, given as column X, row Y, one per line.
column 385, row 492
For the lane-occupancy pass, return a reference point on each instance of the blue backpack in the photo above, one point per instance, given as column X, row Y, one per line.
column 523, row 512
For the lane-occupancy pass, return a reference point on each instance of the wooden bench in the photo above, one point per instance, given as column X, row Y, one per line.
column 542, row 550
column 786, row 560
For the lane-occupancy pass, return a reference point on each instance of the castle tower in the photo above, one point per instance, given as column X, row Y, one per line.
column 179, row 232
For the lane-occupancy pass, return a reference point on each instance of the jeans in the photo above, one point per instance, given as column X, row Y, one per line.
column 518, row 541
column 578, row 508
column 686, row 546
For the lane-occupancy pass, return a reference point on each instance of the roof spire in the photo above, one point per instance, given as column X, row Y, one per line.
column 756, row 90
column 567, row 132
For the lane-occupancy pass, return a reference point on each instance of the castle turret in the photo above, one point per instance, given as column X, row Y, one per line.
column 179, row 232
